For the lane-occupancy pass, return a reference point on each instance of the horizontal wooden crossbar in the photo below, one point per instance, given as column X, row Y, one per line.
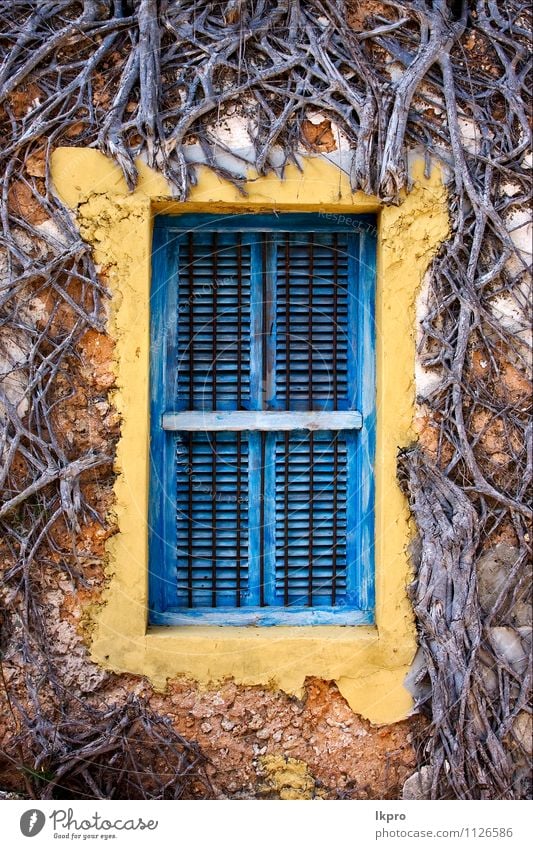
column 262, row 421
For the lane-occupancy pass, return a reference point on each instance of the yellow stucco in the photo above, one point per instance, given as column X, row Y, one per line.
column 287, row 778
column 368, row 663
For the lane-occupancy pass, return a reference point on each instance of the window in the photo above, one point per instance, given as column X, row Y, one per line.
column 262, row 419
column 368, row 663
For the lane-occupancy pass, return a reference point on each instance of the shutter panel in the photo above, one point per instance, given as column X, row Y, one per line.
column 213, row 349
column 312, row 321
column 212, row 519
column 311, row 496
column 264, row 527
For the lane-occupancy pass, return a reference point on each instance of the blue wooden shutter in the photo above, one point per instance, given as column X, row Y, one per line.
column 213, row 347
column 312, row 321
column 212, row 519
column 310, row 496
column 273, row 315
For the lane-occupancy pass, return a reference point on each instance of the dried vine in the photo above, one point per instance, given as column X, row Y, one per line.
column 149, row 77
column 117, row 752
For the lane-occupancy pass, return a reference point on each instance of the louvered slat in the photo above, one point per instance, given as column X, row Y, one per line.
column 310, row 562
column 212, row 519
column 312, row 321
column 213, row 348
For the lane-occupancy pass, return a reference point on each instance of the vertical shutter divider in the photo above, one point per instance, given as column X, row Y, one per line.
column 287, row 407
column 311, row 251
column 335, row 402
column 335, row 518
column 190, row 483
column 262, row 497
column 311, row 248
column 255, row 487
column 286, row 524
column 254, row 518
column 214, row 464
column 215, row 319
column 335, row 318
column 269, row 254
column 287, row 324
column 264, row 295
column 238, row 511
column 269, row 517
column 190, row 292
column 311, row 517
column 256, row 321
column 239, row 321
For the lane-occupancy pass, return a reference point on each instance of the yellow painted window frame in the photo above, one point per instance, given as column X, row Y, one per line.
column 368, row 663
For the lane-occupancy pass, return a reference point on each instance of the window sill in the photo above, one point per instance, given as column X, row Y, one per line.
column 263, row 616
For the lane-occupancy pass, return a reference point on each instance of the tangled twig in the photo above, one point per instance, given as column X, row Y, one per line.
column 148, row 77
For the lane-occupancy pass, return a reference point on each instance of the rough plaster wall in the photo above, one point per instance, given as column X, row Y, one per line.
column 247, row 732
column 260, row 742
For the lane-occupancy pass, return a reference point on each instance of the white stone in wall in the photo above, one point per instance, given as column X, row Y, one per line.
column 511, row 646
column 54, row 235
column 520, row 227
column 233, row 131
column 396, row 71
column 4, row 267
column 470, row 134
column 418, row 785
column 510, row 189
column 13, row 376
column 523, row 731
column 512, row 316
column 426, row 380
column 233, row 147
